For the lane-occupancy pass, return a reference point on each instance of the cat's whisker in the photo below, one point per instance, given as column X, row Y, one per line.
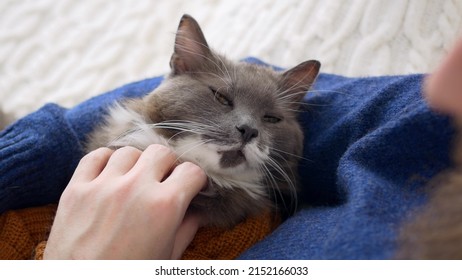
column 272, row 183
column 277, row 151
column 283, row 93
column 182, row 130
column 300, row 83
column 224, row 66
column 292, row 175
column 286, row 98
column 179, row 129
column 286, row 178
column 306, row 104
column 194, row 146
column 327, row 90
column 291, row 95
column 278, row 196
column 169, row 140
column 289, row 100
column 228, row 83
column 212, row 123
column 190, row 125
column 173, row 127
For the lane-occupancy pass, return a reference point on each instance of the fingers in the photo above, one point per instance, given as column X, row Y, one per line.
column 443, row 88
column 139, row 186
column 153, row 165
column 105, row 160
column 91, row 165
column 122, row 160
column 185, row 234
column 187, row 179
column 156, row 162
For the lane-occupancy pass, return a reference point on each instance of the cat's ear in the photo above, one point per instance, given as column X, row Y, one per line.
column 191, row 49
column 296, row 81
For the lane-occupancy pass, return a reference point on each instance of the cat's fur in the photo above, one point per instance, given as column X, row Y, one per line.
column 236, row 120
column 435, row 231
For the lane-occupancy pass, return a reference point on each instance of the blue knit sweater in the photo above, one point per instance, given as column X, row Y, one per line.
column 371, row 145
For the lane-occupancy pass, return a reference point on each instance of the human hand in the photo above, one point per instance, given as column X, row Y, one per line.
column 126, row 204
column 443, row 88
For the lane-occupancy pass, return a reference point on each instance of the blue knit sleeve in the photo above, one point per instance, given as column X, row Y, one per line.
column 37, row 157
column 39, row 152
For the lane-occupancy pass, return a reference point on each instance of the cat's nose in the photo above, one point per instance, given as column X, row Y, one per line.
column 247, row 132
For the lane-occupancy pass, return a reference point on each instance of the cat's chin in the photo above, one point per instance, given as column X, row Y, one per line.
column 232, row 158
column 217, row 161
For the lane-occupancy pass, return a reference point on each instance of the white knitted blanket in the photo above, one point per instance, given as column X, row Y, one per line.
column 67, row 51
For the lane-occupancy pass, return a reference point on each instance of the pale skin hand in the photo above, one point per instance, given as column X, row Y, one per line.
column 443, row 89
column 126, row 204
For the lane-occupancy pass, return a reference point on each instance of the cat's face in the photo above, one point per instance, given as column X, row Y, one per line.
column 236, row 120
column 230, row 122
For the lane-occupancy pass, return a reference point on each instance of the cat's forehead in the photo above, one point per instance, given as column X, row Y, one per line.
column 245, row 83
column 255, row 75
column 244, row 77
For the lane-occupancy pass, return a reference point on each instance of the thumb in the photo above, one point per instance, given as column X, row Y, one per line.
column 187, row 179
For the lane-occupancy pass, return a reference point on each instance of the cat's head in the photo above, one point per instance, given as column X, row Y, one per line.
column 237, row 120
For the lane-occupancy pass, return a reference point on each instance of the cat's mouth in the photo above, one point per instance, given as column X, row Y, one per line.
column 231, row 158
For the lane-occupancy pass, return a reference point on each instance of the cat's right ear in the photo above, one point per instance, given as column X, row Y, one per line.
column 191, row 50
column 298, row 80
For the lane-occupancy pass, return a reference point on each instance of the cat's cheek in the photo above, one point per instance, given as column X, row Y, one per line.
column 195, row 150
column 256, row 156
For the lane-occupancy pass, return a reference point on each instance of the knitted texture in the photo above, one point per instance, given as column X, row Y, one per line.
column 23, row 235
column 40, row 250
column 22, row 230
column 67, row 52
column 212, row 243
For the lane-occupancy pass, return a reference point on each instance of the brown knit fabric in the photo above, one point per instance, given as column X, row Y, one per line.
column 39, row 250
column 22, row 230
column 219, row 244
column 23, row 234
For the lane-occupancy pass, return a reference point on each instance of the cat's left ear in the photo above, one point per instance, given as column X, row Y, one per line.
column 296, row 81
column 191, row 49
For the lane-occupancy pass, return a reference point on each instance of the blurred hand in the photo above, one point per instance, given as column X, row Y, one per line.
column 443, row 88
column 126, row 204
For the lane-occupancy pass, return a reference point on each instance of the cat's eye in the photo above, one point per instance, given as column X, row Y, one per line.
column 271, row 119
column 221, row 97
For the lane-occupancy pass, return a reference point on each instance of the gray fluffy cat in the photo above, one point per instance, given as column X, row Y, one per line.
column 237, row 121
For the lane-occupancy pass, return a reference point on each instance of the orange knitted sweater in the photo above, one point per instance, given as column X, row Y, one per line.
column 23, row 234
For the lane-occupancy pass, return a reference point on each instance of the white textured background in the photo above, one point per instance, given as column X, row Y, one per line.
column 67, row 51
